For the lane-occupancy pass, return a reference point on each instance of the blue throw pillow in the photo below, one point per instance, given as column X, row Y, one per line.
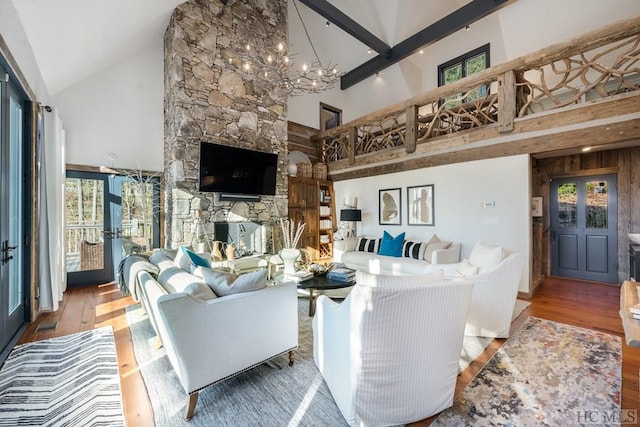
column 196, row 259
column 391, row 246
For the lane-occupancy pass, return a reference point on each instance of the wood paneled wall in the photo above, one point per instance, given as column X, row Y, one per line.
column 624, row 162
column 299, row 140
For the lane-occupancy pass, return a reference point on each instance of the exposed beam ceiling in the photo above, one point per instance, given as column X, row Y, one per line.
column 466, row 15
column 342, row 21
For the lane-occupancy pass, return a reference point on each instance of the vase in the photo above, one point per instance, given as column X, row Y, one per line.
column 230, row 252
column 289, row 257
column 216, row 253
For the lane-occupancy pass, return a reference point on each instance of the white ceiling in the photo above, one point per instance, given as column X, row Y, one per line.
column 74, row 39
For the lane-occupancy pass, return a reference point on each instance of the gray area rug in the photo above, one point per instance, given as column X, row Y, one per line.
column 271, row 394
column 67, row 381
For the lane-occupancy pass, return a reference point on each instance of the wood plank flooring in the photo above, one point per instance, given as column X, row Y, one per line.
column 584, row 304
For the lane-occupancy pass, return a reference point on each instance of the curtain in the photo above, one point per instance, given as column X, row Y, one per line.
column 51, row 176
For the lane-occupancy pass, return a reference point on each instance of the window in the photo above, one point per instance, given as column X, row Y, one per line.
column 463, row 66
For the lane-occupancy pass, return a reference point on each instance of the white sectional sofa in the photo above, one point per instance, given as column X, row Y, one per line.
column 361, row 253
column 211, row 336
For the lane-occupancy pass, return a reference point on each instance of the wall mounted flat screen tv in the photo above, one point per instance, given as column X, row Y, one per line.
column 233, row 170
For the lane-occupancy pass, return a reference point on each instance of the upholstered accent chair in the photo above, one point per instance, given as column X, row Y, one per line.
column 389, row 352
column 495, row 273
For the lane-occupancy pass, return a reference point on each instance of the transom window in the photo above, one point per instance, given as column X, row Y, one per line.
column 464, row 65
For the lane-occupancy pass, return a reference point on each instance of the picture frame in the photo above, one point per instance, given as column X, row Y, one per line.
column 330, row 117
column 420, row 205
column 390, row 206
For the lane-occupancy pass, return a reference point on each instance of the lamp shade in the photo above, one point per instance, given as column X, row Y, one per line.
column 350, row 215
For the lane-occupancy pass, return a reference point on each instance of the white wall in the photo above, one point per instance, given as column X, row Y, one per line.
column 118, row 110
column 459, row 189
column 16, row 39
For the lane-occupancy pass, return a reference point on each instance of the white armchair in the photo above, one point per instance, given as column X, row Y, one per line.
column 389, row 352
column 495, row 290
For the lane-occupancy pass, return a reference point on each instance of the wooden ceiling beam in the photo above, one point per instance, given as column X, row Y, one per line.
column 348, row 25
column 457, row 20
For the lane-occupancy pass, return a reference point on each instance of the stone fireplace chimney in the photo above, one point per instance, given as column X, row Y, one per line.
column 210, row 97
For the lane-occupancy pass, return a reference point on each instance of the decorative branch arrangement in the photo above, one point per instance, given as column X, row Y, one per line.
column 291, row 233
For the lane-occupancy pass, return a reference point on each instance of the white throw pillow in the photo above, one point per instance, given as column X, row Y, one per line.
column 485, row 257
column 182, row 260
column 224, row 283
column 385, row 281
column 432, row 246
column 200, row 290
column 465, row 268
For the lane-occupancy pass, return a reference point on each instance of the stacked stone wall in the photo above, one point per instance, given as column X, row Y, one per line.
column 210, row 97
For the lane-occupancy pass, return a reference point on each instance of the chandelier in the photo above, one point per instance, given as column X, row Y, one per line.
column 279, row 67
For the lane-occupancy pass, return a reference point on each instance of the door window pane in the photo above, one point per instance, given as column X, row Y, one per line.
column 567, row 209
column 84, row 212
column 15, row 203
column 137, row 215
column 596, row 206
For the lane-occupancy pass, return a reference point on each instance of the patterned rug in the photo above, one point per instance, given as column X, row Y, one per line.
column 66, row 381
column 546, row 374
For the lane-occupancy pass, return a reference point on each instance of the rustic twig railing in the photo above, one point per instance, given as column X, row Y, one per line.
column 596, row 65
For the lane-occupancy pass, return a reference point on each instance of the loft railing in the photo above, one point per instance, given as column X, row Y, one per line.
column 596, row 65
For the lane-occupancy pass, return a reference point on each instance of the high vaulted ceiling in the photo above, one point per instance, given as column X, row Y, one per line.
column 73, row 39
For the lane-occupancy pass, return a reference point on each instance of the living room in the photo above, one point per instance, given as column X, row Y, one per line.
column 111, row 108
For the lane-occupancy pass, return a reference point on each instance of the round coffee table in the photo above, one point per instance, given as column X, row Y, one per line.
column 320, row 283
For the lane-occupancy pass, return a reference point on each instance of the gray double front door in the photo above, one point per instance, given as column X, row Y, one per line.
column 584, row 234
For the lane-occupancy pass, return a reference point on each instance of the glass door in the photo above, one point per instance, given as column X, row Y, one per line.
column 13, row 201
column 584, row 226
column 107, row 218
column 88, row 229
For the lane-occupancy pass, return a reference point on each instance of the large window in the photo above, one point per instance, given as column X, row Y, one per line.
column 461, row 67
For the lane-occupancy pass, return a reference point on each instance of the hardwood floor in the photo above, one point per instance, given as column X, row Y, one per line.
column 588, row 305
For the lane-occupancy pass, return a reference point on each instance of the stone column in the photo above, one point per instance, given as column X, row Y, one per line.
column 210, row 97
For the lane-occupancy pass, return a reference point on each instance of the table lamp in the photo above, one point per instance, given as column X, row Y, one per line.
column 351, row 216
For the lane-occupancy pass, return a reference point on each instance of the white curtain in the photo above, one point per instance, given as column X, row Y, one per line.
column 52, row 173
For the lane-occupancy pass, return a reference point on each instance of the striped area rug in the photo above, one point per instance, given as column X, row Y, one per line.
column 66, row 381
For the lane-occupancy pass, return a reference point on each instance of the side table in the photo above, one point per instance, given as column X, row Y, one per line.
column 320, row 283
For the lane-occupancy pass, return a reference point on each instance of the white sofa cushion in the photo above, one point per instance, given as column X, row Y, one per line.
column 224, row 283
column 485, row 257
column 465, row 268
column 374, row 263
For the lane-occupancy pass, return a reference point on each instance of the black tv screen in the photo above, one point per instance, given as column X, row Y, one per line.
column 233, row 170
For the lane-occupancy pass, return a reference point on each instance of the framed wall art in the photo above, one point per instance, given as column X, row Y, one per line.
column 420, row 205
column 390, row 206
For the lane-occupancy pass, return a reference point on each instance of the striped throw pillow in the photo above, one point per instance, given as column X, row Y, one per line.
column 368, row 245
column 414, row 250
